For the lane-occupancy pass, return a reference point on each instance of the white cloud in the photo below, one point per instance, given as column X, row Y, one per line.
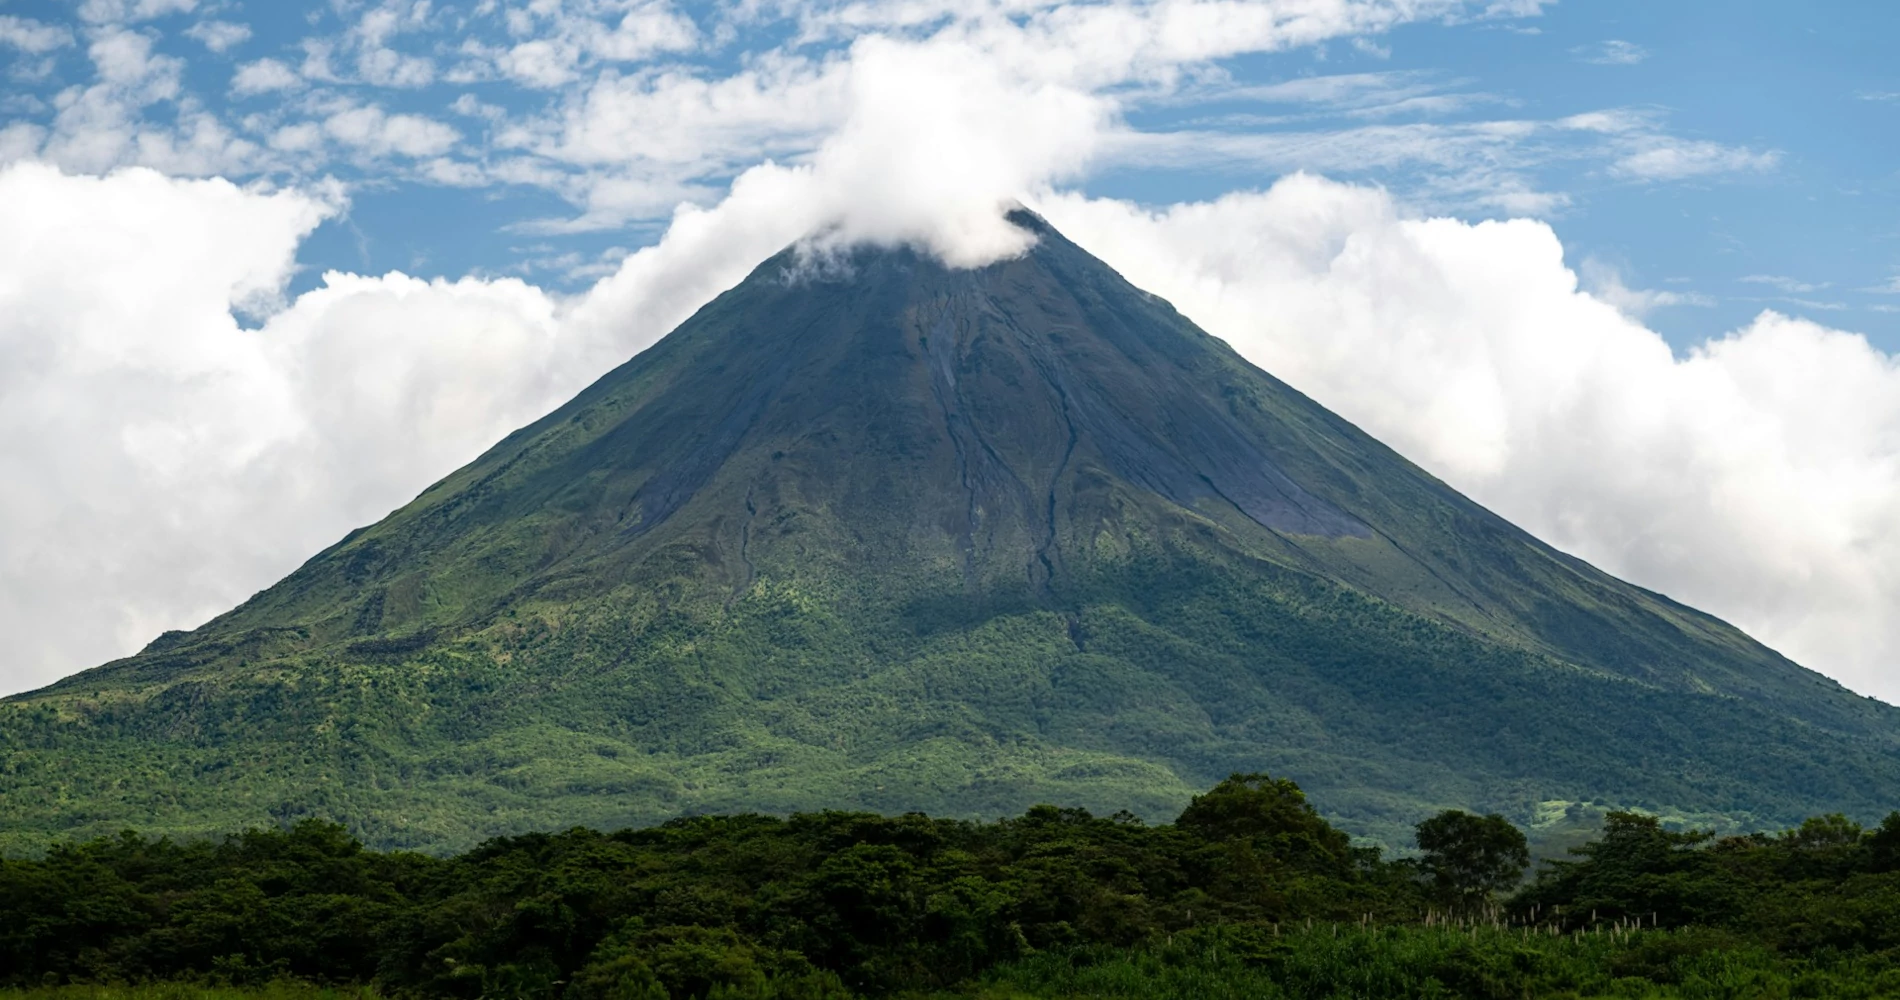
column 1517, row 8
column 136, row 402
column 219, row 36
column 32, row 37
column 1358, row 95
column 452, row 173
column 581, row 36
column 1349, row 90
column 1784, row 284
column 1615, row 52
column 317, row 65
column 303, row 137
column 104, row 124
column 125, row 59
column 380, row 64
column 1663, row 158
column 120, row 11
column 378, row 133
column 1642, row 150
column 1605, row 283
column 675, row 119
column 1618, row 121
column 1487, row 166
column 263, row 76
column 648, row 29
column 389, row 68
column 470, row 106
column 19, row 141
column 539, row 63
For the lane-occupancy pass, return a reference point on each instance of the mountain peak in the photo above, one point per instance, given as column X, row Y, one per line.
column 1022, row 218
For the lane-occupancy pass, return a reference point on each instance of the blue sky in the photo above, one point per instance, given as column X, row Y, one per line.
column 1770, row 179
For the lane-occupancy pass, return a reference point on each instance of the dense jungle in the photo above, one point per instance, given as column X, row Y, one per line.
column 1248, row 893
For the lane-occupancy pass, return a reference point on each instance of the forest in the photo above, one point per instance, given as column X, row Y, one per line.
column 1249, row 893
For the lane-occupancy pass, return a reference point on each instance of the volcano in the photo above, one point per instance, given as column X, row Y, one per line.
column 869, row 532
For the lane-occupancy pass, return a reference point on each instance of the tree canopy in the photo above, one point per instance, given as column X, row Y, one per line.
column 835, row 904
column 1471, row 858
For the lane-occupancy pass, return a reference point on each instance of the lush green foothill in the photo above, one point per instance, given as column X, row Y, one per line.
column 1249, row 893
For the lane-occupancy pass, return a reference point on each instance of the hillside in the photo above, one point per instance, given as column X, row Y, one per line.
column 867, row 532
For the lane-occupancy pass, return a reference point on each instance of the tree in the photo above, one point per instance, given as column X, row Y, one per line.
column 1266, row 810
column 1468, row 857
column 1883, row 845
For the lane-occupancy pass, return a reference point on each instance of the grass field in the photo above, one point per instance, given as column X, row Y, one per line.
column 1402, row 963
column 1324, row 962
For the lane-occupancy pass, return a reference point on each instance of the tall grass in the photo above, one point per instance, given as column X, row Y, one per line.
column 1324, row 962
column 1334, row 962
column 282, row 989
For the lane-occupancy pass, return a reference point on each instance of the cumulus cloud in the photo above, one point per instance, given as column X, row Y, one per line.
column 377, row 61
column 933, row 146
column 32, row 37
column 118, row 11
column 262, row 77
column 377, row 133
column 136, row 402
column 105, row 123
column 1663, row 158
column 125, row 59
column 1615, row 52
column 219, row 36
column 102, row 124
column 565, row 40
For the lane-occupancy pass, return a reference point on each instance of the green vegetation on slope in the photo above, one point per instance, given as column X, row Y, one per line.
column 1248, row 894
column 891, row 536
column 768, row 705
